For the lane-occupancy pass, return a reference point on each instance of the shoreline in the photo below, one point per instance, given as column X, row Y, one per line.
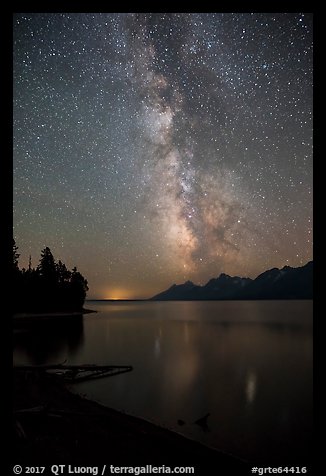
column 54, row 424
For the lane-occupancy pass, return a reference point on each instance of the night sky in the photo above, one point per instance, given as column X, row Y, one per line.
column 150, row 149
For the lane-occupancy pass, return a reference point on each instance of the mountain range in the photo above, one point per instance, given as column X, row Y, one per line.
column 285, row 283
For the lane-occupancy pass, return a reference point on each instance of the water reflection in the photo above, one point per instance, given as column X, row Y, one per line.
column 250, row 389
column 157, row 347
column 186, row 332
column 246, row 364
column 56, row 341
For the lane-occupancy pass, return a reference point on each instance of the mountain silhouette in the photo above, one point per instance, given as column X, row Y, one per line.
column 285, row 283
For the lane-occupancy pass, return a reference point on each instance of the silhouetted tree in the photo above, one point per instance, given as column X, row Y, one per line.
column 47, row 266
column 15, row 255
column 63, row 274
column 79, row 287
column 51, row 286
column 30, row 263
column 16, row 273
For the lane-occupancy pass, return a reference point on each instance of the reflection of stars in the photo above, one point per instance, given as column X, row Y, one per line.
column 251, row 385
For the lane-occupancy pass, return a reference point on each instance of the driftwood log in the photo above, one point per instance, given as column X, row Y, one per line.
column 77, row 373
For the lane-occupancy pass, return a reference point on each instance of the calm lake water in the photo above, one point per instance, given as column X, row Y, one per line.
column 246, row 363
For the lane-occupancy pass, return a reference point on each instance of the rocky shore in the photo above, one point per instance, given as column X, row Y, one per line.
column 54, row 426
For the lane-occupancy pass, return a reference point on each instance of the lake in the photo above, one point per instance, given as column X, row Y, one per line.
column 246, row 363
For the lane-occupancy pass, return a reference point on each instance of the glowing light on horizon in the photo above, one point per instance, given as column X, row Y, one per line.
column 118, row 295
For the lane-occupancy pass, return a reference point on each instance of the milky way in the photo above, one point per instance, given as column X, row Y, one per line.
column 154, row 148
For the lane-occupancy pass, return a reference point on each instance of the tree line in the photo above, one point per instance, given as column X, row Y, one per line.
column 48, row 287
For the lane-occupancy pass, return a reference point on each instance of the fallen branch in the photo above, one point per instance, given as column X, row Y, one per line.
column 74, row 373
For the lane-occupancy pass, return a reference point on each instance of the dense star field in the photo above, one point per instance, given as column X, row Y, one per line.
column 155, row 148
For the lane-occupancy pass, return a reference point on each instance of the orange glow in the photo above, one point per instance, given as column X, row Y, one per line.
column 118, row 294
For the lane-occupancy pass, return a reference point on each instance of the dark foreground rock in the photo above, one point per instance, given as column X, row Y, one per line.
column 65, row 428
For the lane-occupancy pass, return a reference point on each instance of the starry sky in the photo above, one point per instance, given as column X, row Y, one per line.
column 154, row 148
